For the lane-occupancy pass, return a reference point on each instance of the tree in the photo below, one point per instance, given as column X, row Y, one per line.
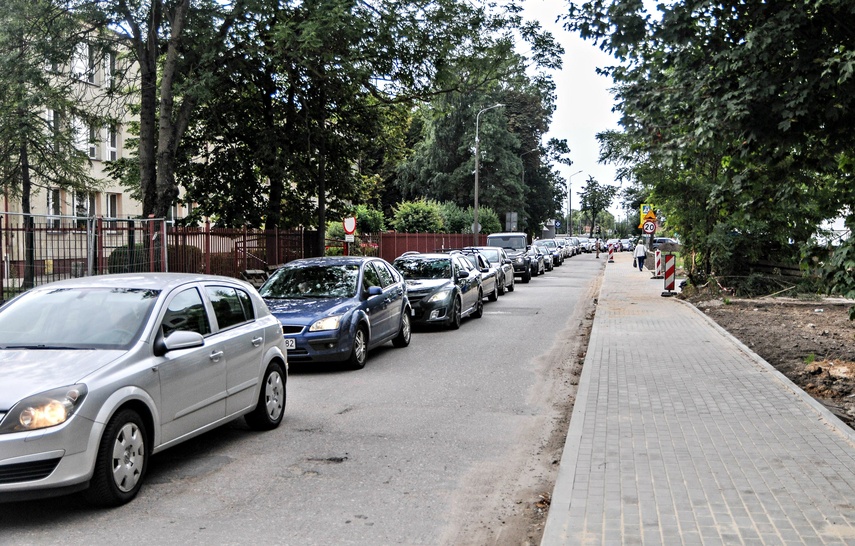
column 47, row 53
column 729, row 100
column 596, row 198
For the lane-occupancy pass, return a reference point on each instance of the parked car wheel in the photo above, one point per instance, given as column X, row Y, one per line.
column 502, row 286
column 527, row 276
column 494, row 295
column 359, row 353
column 405, row 333
column 510, row 287
column 479, row 307
column 455, row 318
column 271, row 400
column 121, row 461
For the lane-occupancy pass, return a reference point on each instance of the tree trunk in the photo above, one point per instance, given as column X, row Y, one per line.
column 29, row 233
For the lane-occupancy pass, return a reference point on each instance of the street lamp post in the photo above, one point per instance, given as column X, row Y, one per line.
column 569, row 202
column 476, row 228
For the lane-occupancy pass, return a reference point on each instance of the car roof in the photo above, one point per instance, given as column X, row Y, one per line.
column 154, row 281
column 331, row 260
column 431, row 255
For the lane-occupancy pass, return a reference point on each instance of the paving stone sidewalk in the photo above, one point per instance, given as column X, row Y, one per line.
column 681, row 435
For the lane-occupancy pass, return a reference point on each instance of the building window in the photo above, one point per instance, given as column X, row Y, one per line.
column 54, row 208
column 84, row 208
column 111, row 149
column 93, row 142
column 83, row 63
column 109, row 68
column 81, row 134
column 113, row 200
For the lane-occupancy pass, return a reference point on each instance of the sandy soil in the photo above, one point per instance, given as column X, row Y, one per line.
column 811, row 342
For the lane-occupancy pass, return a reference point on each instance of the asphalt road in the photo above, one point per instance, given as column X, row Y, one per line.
column 425, row 445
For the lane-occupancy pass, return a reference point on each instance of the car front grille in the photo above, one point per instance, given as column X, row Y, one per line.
column 286, row 329
column 27, row 472
column 415, row 297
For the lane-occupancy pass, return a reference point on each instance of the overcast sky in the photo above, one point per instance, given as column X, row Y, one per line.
column 584, row 102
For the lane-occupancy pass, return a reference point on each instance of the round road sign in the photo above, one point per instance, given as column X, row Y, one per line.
column 649, row 227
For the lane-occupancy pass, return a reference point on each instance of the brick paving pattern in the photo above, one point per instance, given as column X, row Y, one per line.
column 681, row 435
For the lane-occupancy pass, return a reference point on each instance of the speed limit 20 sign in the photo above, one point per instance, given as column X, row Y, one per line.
column 649, row 227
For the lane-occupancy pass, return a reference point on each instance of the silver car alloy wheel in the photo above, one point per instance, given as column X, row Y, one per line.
column 128, row 457
column 274, row 397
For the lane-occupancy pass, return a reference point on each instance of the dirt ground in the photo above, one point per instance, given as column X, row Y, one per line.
column 811, row 342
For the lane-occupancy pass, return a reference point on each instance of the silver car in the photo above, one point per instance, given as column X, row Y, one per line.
column 99, row 373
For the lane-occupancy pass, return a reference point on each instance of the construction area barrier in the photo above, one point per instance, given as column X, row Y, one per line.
column 670, row 272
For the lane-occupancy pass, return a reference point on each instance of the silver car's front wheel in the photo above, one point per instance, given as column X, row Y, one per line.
column 121, row 461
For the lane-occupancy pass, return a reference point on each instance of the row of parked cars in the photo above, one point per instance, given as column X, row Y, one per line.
column 137, row 363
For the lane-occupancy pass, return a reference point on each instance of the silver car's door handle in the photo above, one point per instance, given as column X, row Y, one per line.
column 215, row 356
column 256, row 341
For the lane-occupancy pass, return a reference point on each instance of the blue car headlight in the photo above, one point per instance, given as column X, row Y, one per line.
column 442, row 295
column 44, row 410
column 326, row 323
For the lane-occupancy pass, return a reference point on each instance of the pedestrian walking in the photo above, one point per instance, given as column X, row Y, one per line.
column 640, row 253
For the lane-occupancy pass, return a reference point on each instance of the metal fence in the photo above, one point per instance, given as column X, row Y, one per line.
column 41, row 249
column 38, row 250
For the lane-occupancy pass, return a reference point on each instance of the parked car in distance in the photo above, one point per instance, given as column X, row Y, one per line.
column 99, row 373
column 547, row 253
column 627, row 244
column 586, row 244
column 442, row 288
column 338, row 308
column 556, row 251
column 516, row 246
column 665, row 243
column 489, row 276
column 503, row 265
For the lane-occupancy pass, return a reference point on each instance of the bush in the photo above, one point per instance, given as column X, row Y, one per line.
column 125, row 260
column 420, row 216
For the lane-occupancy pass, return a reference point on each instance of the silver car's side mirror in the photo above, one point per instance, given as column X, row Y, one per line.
column 179, row 339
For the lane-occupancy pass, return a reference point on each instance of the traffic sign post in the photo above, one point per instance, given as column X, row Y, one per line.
column 349, row 225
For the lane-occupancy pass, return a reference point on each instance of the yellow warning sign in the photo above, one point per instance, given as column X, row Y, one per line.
column 649, row 216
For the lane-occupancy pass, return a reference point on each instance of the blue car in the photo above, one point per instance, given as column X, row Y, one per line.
column 336, row 309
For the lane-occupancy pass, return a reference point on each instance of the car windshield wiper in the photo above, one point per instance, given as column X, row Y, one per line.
column 41, row 347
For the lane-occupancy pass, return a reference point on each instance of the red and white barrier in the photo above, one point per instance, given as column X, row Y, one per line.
column 657, row 262
column 670, row 271
column 611, row 254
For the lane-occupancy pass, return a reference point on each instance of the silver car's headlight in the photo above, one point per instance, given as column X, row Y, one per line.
column 439, row 296
column 44, row 410
column 326, row 323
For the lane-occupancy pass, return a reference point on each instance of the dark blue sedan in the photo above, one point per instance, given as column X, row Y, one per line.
column 338, row 308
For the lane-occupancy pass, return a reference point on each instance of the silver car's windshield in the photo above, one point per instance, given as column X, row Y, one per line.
column 75, row 318
column 312, row 281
